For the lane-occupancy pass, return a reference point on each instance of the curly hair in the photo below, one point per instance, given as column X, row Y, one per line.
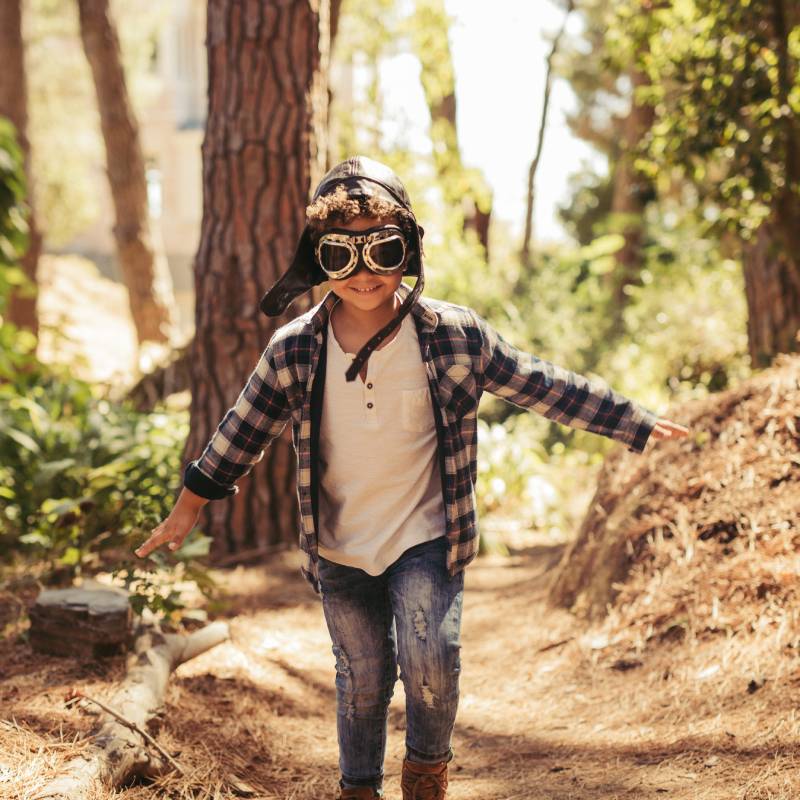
column 337, row 208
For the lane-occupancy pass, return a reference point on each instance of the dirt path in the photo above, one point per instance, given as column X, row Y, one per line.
column 532, row 723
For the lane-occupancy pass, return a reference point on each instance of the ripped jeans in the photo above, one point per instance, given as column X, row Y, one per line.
column 409, row 615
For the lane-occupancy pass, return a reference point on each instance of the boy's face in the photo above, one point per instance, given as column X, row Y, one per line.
column 363, row 289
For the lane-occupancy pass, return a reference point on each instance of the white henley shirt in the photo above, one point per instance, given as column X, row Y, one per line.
column 380, row 486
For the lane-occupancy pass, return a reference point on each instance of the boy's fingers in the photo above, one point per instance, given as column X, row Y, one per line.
column 664, row 428
column 176, row 542
column 156, row 540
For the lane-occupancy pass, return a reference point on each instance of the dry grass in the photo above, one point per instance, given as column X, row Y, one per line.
column 560, row 722
column 716, row 547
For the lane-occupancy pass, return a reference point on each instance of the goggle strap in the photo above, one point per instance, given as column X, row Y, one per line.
column 366, row 351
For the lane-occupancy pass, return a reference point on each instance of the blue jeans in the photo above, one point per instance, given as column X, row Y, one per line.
column 409, row 615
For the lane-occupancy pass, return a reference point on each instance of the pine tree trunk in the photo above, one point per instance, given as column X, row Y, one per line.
column 462, row 187
column 14, row 105
column 772, row 285
column 147, row 278
column 263, row 151
column 629, row 197
column 771, row 261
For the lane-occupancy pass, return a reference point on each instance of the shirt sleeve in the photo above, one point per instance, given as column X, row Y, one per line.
column 258, row 416
column 560, row 395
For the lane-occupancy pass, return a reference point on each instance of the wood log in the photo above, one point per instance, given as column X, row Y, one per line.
column 85, row 621
column 118, row 753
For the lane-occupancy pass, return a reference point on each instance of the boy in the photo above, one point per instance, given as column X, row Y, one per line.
column 382, row 388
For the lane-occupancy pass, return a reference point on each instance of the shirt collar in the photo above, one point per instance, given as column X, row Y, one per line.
column 421, row 310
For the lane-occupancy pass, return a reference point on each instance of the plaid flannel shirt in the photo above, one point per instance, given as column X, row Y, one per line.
column 463, row 357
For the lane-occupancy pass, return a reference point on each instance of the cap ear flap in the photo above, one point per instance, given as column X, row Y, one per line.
column 303, row 273
column 414, row 233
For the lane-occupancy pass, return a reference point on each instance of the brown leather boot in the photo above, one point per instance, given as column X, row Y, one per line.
column 424, row 781
column 358, row 793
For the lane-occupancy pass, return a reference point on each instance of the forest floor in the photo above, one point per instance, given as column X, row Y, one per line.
column 546, row 709
column 549, row 706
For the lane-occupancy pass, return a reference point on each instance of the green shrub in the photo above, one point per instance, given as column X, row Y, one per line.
column 83, row 482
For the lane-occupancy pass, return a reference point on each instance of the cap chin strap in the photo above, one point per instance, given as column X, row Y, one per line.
column 366, row 351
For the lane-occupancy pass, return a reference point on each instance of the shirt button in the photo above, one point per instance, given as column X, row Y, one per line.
column 369, row 386
column 369, row 405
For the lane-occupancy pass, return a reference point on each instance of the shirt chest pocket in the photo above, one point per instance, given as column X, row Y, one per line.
column 416, row 410
column 458, row 390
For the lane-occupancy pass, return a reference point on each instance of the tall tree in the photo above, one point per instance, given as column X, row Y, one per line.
column 531, row 196
column 724, row 83
column 14, row 105
column 146, row 276
column 462, row 186
column 604, row 77
column 264, row 149
column 631, row 191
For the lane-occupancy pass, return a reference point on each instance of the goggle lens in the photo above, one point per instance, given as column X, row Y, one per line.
column 333, row 256
column 388, row 253
column 384, row 251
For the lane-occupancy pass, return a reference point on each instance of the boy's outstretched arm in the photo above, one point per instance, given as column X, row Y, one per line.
column 258, row 416
column 566, row 397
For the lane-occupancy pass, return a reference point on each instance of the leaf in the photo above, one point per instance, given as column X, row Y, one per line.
column 40, row 419
column 72, row 556
column 35, row 537
column 603, row 246
column 24, row 440
column 112, row 468
column 195, row 546
column 46, row 471
column 58, row 506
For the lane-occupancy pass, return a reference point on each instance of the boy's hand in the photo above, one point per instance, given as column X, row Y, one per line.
column 665, row 429
column 176, row 527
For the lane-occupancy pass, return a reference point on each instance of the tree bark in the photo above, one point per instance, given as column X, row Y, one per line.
column 116, row 751
column 14, row 105
column 146, row 276
column 525, row 254
column 629, row 198
column 772, row 285
column 263, row 150
column 770, row 261
column 462, row 187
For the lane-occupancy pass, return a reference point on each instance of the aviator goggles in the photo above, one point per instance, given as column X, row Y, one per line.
column 383, row 250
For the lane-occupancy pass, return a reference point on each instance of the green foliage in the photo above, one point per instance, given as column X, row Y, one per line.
column 725, row 89
column 686, row 324
column 15, row 345
column 83, row 482
column 13, row 210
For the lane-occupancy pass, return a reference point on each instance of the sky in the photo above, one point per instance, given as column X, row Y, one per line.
column 500, row 59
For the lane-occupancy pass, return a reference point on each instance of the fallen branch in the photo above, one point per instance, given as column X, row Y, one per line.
column 76, row 694
column 117, row 752
column 553, row 645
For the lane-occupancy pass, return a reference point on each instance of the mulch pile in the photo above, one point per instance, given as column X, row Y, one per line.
column 715, row 544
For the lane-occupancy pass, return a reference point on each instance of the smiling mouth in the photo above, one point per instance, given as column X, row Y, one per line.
column 365, row 291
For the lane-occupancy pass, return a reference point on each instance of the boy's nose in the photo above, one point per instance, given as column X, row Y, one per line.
column 360, row 263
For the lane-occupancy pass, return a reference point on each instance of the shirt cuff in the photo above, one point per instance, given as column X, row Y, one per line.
column 199, row 483
column 647, row 421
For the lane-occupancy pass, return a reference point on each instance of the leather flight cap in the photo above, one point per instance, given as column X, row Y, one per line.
column 361, row 177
